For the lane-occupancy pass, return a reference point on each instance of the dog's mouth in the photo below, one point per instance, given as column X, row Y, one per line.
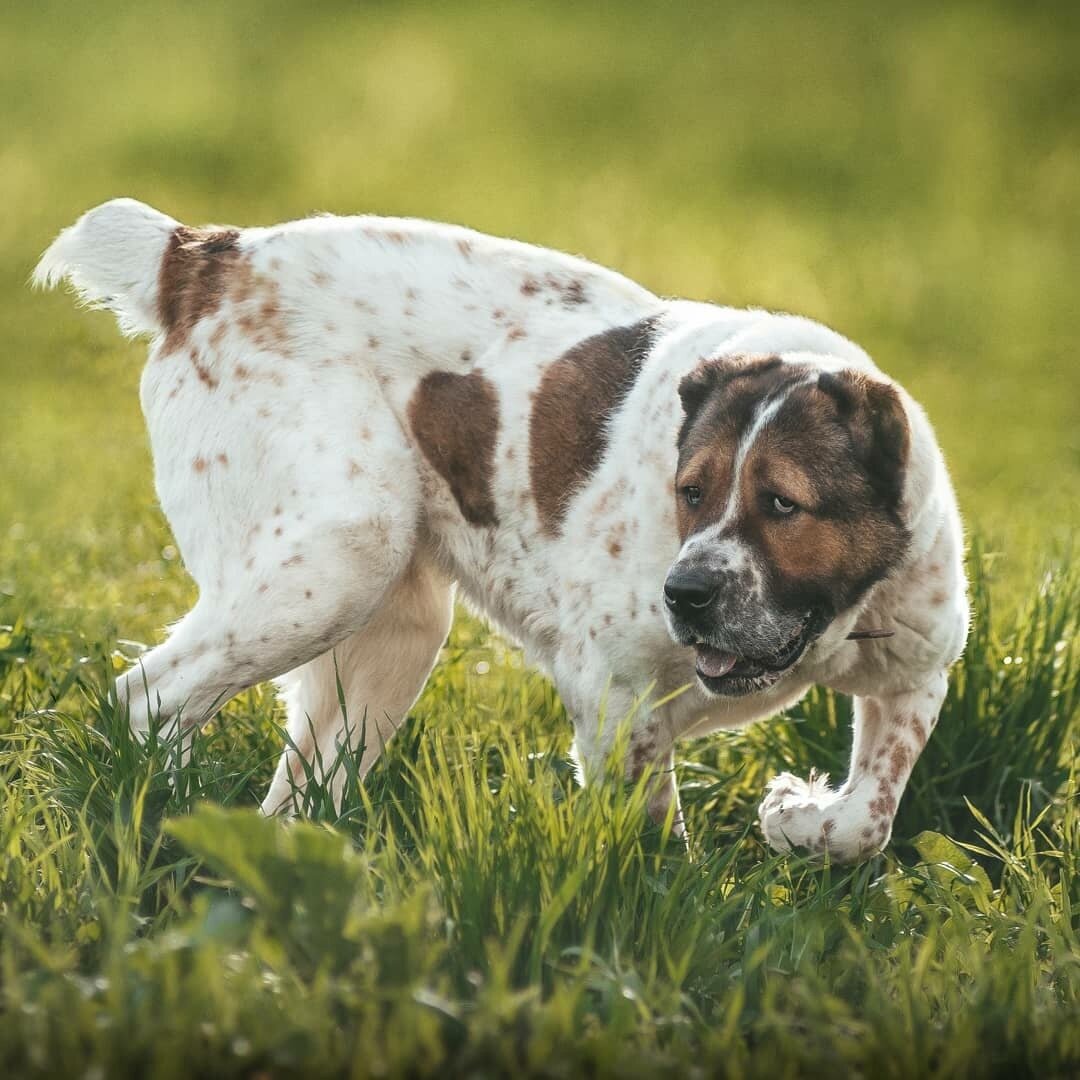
column 728, row 673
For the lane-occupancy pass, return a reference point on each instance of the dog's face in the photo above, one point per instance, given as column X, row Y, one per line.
column 788, row 492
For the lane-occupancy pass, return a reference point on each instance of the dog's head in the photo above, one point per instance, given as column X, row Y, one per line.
column 789, row 488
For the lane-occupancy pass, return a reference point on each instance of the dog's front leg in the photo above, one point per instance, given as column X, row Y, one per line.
column 649, row 749
column 855, row 821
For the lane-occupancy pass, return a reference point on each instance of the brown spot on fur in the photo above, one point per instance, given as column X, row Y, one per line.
column 571, row 292
column 354, row 469
column 395, row 236
column 465, row 247
column 223, row 459
column 938, row 598
column 920, row 731
column 455, row 419
column 614, row 548
column 199, row 464
column 530, row 287
column 576, row 398
column 515, row 334
column 205, row 376
column 193, row 278
column 242, row 372
column 898, row 762
column 294, row 560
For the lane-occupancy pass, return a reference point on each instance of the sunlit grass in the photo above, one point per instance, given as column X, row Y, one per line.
column 470, row 908
column 909, row 178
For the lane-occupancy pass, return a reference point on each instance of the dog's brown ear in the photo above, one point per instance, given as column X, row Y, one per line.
column 713, row 376
column 696, row 387
column 875, row 417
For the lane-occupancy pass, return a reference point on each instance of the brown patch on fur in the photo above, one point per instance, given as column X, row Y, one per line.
column 294, row 560
column 938, row 598
column 193, row 279
column 530, row 287
column 465, row 247
column 455, row 419
column 199, row 464
column 516, row 333
column 223, row 459
column 575, row 399
column 920, row 731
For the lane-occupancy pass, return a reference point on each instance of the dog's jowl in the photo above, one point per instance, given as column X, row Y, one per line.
column 686, row 514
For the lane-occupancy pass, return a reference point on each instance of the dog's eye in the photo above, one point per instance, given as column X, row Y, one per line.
column 692, row 494
column 782, row 505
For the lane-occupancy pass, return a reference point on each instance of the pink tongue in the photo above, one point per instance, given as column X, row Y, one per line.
column 713, row 663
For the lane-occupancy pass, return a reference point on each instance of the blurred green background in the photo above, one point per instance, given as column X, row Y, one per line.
column 908, row 174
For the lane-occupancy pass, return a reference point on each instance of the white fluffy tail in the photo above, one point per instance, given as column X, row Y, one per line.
column 112, row 257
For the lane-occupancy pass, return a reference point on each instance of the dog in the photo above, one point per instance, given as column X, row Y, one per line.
column 353, row 417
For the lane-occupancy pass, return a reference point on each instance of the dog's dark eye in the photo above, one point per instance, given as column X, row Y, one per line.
column 782, row 505
column 692, row 494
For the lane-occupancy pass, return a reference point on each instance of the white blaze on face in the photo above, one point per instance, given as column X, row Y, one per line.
column 729, row 551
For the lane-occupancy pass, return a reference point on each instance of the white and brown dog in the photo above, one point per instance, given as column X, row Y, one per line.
column 350, row 416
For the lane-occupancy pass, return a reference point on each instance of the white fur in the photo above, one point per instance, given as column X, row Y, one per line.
column 311, row 522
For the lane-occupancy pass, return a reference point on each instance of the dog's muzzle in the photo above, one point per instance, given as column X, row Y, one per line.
column 741, row 646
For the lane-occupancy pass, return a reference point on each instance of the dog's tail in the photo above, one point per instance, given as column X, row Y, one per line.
column 112, row 256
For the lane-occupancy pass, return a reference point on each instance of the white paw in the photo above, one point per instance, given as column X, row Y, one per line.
column 810, row 818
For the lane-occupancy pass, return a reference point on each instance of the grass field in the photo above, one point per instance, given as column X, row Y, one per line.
column 908, row 176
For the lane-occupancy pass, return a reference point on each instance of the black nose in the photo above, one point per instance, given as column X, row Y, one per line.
column 686, row 590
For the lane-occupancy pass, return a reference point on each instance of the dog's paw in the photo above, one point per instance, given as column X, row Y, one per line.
column 808, row 817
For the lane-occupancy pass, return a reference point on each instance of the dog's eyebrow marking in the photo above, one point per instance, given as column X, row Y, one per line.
column 455, row 419
column 576, row 397
column 192, row 281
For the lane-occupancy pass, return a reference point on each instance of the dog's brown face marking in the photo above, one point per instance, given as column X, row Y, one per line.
column 576, row 398
column 193, row 279
column 836, row 447
column 455, row 419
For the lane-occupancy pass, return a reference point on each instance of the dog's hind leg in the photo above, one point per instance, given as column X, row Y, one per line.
column 379, row 672
column 282, row 613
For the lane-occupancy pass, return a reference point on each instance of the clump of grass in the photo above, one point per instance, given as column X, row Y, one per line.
column 469, row 910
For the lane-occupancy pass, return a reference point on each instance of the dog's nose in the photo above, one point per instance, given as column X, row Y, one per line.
column 687, row 590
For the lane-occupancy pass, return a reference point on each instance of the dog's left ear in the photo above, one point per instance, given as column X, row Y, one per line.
column 698, row 385
column 874, row 414
column 716, row 373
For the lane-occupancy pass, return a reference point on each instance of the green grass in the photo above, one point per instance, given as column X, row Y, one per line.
column 908, row 176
